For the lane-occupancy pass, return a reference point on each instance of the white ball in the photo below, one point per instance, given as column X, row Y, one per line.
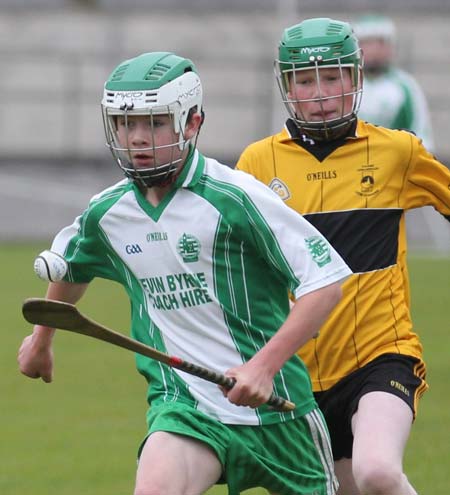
column 50, row 266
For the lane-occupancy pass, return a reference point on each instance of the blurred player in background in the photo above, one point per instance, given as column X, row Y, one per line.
column 354, row 181
column 392, row 98
column 207, row 256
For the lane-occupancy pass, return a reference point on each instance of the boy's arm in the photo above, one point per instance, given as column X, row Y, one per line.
column 254, row 378
column 35, row 355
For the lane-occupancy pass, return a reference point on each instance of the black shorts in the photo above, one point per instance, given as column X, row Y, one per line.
column 403, row 376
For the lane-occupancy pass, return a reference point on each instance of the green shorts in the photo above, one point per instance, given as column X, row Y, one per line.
column 290, row 458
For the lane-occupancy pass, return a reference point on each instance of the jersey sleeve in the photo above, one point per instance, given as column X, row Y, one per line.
column 427, row 182
column 86, row 250
column 289, row 243
column 80, row 248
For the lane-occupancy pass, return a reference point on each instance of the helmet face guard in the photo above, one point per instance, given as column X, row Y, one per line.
column 151, row 85
column 317, row 44
column 161, row 170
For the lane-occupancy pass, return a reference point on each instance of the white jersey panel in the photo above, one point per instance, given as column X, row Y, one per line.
column 300, row 244
column 381, row 101
column 179, row 293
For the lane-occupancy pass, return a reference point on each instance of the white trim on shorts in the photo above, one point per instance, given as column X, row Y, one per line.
column 321, row 440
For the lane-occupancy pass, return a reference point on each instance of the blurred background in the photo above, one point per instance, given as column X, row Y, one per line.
column 80, row 434
column 56, row 55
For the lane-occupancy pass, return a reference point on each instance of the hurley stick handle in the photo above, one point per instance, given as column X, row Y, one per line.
column 278, row 403
column 65, row 316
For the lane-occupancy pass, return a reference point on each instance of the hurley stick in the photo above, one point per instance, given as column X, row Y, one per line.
column 65, row 316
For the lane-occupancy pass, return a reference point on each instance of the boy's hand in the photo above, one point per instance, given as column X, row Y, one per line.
column 35, row 359
column 253, row 386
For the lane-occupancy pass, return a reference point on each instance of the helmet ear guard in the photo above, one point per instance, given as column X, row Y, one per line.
column 151, row 85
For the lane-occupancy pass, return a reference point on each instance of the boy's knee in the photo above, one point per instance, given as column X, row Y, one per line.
column 378, row 478
column 153, row 490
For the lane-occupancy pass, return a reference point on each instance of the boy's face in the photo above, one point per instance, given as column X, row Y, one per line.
column 151, row 140
column 378, row 54
column 321, row 95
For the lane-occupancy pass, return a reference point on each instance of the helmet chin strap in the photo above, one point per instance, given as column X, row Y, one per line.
column 163, row 181
column 163, row 175
column 172, row 173
column 325, row 132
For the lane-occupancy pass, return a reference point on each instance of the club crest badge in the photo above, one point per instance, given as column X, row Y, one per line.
column 367, row 182
column 279, row 187
column 188, row 247
column 319, row 249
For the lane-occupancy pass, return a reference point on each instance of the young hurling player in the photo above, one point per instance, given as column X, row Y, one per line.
column 354, row 182
column 196, row 245
column 392, row 97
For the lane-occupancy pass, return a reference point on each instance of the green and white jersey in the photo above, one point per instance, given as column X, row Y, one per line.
column 207, row 272
column 395, row 100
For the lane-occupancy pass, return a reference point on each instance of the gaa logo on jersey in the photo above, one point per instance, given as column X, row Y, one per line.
column 319, row 249
column 133, row 249
column 188, row 247
column 279, row 187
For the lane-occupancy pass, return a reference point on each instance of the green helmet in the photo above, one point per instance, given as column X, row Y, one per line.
column 158, row 83
column 315, row 44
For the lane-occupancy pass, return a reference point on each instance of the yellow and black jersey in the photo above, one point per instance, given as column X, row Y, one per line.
column 356, row 191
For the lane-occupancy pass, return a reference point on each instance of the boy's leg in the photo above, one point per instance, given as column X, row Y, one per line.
column 171, row 463
column 370, row 420
column 343, row 470
column 381, row 428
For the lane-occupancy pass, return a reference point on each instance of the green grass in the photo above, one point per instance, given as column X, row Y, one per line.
column 80, row 433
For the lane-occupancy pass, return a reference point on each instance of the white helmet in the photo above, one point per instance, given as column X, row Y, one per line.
column 158, row 83
column 375, row 26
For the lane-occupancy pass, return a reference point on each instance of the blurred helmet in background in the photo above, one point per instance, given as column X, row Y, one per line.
column 377, row 39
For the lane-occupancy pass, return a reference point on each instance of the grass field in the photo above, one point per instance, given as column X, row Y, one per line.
column 79, row 434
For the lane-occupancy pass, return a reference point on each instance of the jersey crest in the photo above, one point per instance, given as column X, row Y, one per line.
column 279, row 187
column 188, row 248
column 319, row 249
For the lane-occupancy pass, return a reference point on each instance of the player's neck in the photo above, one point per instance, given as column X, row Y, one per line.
column 155, row 194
